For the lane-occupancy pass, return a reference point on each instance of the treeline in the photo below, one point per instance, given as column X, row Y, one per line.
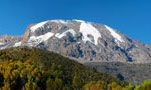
column 35, row 69
column 101, row 85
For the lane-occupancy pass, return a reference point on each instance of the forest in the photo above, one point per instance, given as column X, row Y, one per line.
column 24, row 68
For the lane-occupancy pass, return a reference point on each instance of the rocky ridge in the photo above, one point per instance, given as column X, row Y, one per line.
column 82, row 41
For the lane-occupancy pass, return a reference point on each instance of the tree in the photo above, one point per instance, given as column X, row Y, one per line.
column 129, row 87
column 49, row 84
column 77, row 81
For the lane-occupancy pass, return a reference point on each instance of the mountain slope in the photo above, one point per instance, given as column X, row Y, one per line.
column 134, row 73
column 37, row 69
column 82, row 41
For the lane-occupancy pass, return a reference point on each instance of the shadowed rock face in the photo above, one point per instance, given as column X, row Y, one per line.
column 82, row 41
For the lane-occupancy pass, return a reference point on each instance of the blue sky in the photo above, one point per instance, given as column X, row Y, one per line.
column 131, row 17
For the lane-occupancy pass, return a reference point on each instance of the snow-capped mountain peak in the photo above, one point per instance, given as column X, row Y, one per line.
column 82, row 41
column 35, row 27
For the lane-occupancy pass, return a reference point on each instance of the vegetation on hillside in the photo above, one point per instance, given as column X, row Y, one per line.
column 25, row 68
column 100, row 85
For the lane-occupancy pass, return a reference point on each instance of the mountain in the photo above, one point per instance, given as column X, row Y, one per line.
column 82, row 41
column 25, row 68
column 134, row 73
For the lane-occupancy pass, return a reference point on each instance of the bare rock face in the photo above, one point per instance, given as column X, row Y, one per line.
column 81, row 41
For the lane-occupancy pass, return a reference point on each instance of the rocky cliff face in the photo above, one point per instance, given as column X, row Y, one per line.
column 82, row 41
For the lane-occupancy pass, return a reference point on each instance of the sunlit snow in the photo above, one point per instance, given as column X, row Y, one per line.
column 59, row 21
column 87, row 29
column 1, row 43
column 35, row 27
column 81, row 21
column 114, row 34
column 58, row 35
column 41, row 38
column 17, row 44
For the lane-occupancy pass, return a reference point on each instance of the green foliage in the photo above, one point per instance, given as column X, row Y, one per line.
column 129, row 87
column 36, row 69
column 101, row 85
column 77, row 81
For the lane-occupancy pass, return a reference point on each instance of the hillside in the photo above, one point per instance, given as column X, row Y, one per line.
column 37, row 69
column 134, row 73
column 82, row 43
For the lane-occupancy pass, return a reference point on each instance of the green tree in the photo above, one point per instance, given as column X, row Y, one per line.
column 138, row 87
column 77, row 81
column 129, row 87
